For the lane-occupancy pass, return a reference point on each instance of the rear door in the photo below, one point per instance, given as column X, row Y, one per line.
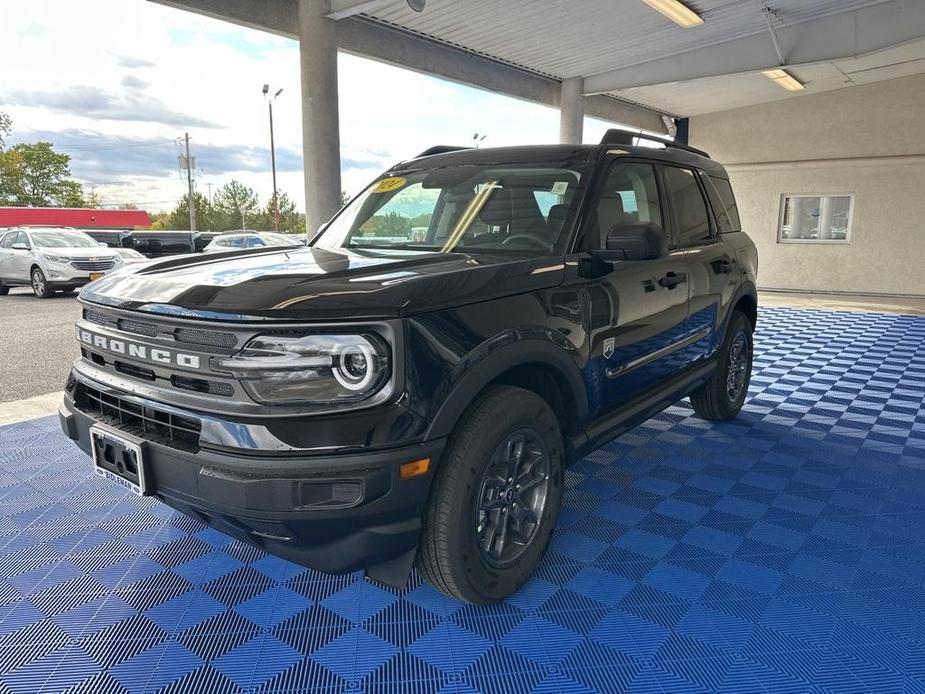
column 711, row 265
column 635, row 314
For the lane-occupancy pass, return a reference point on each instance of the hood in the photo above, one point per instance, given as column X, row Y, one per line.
column 82, row 252
column 316, row 283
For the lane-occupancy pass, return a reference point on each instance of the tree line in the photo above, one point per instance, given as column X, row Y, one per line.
column 35, row 175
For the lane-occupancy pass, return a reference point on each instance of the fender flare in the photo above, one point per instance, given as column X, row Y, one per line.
column 476, row 377
column 747, row 288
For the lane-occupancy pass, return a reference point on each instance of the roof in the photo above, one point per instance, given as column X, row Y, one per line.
column 80, row 218
column 488, row 156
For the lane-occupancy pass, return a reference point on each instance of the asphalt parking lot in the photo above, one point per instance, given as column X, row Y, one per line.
column 38, row 343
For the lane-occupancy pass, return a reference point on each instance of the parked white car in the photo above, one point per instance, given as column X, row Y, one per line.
column 236, row 241
column 51, row 259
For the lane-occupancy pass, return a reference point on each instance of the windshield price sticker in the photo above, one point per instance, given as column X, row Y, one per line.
column 388, row 185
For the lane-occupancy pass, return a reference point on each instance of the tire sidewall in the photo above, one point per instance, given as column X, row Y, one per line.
column 492, row 583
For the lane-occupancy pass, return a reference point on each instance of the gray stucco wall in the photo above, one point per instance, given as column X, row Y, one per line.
column 868, row 141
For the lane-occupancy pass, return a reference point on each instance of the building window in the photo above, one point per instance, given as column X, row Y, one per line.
column 815, row 218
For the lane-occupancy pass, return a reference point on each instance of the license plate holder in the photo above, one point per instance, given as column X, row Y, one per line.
column 119, row 459
column 95, row 275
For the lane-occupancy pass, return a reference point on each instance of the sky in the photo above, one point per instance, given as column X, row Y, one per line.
column 116, row 84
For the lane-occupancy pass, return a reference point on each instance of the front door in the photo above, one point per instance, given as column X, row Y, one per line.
column 636, row 314
column 19, row 262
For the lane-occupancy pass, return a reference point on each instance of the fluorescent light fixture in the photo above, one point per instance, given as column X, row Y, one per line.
column 784, row 79
column 676, row 12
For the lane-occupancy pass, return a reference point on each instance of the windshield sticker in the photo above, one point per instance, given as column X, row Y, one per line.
column 388, row 185
column 559, row 187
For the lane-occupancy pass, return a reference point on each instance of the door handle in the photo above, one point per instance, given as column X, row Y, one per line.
column 673, row 279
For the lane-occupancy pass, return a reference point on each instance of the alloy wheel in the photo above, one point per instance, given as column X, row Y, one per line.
column 736, row 376
column 512, row 497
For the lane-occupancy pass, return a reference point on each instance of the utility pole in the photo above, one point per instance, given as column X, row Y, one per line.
column 270, row 100
column 189, row 182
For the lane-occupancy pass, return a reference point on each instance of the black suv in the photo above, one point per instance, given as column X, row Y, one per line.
column 412, row 384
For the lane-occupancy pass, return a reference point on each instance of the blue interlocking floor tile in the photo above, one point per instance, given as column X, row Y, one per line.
column 782, row 551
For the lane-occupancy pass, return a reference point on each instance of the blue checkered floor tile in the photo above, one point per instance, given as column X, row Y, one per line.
column 782, row 551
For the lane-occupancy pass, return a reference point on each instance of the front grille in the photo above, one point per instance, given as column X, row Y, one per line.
column 208, row 338
column 99, row 317
column 137, row 327
column 191, row 336
column 92, row 265
column 149, row 423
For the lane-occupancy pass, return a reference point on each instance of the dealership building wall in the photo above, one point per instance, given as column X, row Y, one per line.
column 866, row 141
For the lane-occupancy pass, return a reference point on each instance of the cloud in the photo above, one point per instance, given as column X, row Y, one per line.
column 133, row 82
column 100, row 158
column 132, row 62
column 99, row 104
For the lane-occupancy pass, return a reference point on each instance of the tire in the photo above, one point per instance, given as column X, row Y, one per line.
column 4, row 290
column 722, row 396
column 40, row 285
column 457, row 555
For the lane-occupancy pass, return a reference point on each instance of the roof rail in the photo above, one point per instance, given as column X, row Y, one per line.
column 621, row 136
column 440, row 149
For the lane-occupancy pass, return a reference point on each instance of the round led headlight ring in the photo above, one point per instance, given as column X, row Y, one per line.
column 355, row 366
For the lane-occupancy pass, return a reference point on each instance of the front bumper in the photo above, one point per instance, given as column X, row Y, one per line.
column 335, row 513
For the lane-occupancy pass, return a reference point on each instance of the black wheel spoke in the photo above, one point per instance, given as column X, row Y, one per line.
column 512, row 497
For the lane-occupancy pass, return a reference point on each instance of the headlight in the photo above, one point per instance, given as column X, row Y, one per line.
column 56, row 258
column 315, row 368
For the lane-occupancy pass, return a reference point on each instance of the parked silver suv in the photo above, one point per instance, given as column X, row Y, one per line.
column 51, row 259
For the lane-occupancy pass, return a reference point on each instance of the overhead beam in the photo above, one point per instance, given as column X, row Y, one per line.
column 341, row 9
column 389, row 44
column 834, row 37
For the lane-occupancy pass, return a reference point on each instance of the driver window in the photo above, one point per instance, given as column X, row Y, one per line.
column 630, row 194
column 22, row 238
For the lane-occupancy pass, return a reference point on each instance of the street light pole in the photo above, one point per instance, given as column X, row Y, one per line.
column 266, row 90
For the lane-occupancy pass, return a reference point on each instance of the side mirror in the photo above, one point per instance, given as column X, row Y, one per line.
column 20, row 246
column 636, row 241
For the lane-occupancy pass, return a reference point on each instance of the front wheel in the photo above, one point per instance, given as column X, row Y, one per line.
column 496, row 498
column 40, row 285
column 722, row 396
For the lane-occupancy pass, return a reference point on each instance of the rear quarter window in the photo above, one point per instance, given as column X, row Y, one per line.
column 723, row 203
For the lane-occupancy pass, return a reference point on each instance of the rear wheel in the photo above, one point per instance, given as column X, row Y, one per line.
column 40, row 285
column 722, row 396
column 496, row 498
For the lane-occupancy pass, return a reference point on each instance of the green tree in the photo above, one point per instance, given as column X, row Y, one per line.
column 178, row 218
column 6, row 125
column 235, row 206
column 290, row 219
column 37, row 176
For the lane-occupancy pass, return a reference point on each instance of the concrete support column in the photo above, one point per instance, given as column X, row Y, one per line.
column 571, row 111
column 320, row 121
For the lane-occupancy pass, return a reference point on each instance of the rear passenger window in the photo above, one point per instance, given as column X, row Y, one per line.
column 724, row 204
column 6, row 241
column 689, row 205
column 630, row 194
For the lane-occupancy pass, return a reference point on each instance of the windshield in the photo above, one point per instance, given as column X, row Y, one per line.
column 61, row 238
column 460, row 208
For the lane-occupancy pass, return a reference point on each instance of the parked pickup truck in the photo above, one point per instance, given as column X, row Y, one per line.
column 410, row 386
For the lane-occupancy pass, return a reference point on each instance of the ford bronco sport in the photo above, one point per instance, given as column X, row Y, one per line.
column 410, row 386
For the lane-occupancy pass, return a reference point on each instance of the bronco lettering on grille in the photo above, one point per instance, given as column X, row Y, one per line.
column 136, row 350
